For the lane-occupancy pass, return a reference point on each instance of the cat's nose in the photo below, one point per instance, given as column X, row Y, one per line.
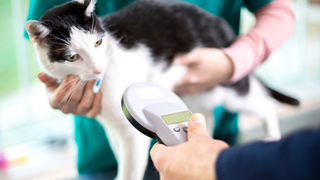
column 98, row 71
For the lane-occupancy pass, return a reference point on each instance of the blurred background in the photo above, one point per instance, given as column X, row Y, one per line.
column 38, row 141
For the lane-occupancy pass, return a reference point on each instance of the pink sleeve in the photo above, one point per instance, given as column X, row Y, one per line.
column 274, row 23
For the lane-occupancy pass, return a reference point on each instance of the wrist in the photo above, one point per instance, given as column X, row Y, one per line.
column 215, row 162
column 229, row 67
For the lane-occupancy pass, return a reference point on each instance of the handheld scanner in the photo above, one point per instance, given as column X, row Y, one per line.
column 156, row 112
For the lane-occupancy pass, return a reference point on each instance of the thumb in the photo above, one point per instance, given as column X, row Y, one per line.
column 51, row 83
column 196, row 126
column 187, row 59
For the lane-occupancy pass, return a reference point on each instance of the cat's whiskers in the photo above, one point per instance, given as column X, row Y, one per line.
column 70, row 81
column 59, row 49
column 56, row 43
column 111, row 33
column 110, row 25
column 66, row 86
column 67, row 97
column 55, row 37
column 63, row 35
column 120, row 39
column 110, row 59
column 111, row 48
column 92, row 25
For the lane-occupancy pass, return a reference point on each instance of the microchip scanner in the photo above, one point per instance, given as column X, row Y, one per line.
column 156, row 112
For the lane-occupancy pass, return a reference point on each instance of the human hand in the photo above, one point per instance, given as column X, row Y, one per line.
column 192, row 160
column 207, row 67
column 72, row 96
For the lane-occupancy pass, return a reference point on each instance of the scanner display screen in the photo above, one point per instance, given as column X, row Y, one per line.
column 177, row 117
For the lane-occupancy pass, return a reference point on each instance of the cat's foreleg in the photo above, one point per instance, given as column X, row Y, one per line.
column 130, row 148
column 266, row 111
column 134, row 150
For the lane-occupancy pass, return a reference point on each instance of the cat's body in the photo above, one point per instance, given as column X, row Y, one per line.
column 138, row 45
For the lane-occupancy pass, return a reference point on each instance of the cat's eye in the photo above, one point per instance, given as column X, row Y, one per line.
column 98, row 43
column 72, row 58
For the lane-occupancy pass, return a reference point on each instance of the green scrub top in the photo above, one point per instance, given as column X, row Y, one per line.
column 94, row 152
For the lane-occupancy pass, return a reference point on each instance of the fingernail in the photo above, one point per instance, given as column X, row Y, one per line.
column 197, row 118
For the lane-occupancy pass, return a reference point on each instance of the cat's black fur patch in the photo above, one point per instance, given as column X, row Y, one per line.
column 242, row 86
column 168, row 28
column 60, row 20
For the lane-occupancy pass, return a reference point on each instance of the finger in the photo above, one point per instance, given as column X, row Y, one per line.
column 62, row 92
column 196, row 126
column 192, row 88
column 187, row 59
column 157, row 157
column 50, row 82
column 96, row 108
column 187, row 81
column 87, row 100
column 74, row 98
column 187, row 88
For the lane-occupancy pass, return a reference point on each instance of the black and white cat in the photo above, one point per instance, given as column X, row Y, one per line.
column 135, row 44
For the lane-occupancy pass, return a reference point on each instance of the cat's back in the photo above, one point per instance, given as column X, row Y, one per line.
column 167, row 27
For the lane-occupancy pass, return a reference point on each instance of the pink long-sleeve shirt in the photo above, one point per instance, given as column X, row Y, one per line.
column 274, row 24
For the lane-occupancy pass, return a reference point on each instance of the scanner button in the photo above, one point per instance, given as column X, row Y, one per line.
column 185, row 129
column 176, row 129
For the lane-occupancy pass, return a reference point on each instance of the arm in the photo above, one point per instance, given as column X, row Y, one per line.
column 210, row 66
column 295, row 157
column 275, row 23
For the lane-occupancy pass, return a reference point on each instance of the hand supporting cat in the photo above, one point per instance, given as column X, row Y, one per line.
column 81, row 102
column 207, row 67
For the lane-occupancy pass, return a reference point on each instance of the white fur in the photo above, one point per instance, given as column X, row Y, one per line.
column 80, row 1
column 90, row 7
column 129, row 66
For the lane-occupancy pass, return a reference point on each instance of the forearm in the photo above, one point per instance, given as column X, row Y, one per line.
column 295, row 157
column 274, row 24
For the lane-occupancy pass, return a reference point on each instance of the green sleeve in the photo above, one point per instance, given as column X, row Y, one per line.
column 94, row 151
column 254, row 5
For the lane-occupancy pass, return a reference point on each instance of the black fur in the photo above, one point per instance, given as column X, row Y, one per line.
column 283, row 98
column 168, row 28
column 280, row 96
column 242, row 86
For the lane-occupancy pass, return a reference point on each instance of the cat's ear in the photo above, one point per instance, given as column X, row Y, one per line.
column 89, row 4
column 90, row 7
column 36, row 31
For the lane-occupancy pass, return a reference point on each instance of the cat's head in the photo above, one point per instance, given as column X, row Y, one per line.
column 69, row 39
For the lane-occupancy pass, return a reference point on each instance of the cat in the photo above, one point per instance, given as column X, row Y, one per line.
column 136, row 44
